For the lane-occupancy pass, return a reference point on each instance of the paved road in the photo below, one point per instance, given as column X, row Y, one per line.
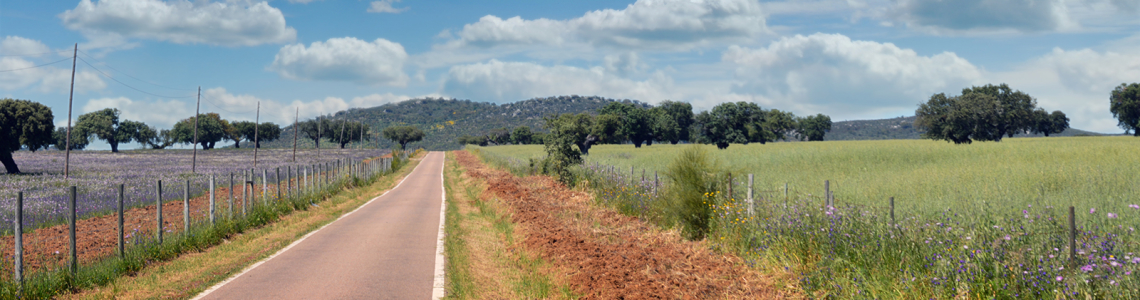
column 384, row 250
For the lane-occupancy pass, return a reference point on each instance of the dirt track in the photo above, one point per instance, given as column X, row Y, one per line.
column 605, row 255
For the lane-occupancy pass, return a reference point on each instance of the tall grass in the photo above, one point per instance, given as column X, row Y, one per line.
column 987, row 220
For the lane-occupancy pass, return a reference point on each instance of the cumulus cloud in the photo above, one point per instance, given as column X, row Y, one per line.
column 985, row 15
column 624, row 63
column 23, row 73
column 646, row 23
column 832, row 74
column 502, row 82
column 379, row 62
column 1077, row 82
column 385, row 6
column 157, row 113
column 231, row 23
column 15, row 45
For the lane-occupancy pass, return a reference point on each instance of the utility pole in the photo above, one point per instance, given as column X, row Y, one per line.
column 67, row 144
column 197, row 110
column 256, row 119
column 295, row 130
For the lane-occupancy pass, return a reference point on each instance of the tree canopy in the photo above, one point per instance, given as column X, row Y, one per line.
column 1125, row 107
column 211, row 129
column 813, row 128
column 403, row 135
column 79, row 138
column 105, row 125
column 986, row 113
column 23, row 123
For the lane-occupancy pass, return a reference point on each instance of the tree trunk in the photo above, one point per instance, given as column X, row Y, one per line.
column 9, row 163
column 403, row 144
column 237, row 144
column 114, row 146
column 258, row 144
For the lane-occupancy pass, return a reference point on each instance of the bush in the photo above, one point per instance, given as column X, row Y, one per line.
column 693, row 177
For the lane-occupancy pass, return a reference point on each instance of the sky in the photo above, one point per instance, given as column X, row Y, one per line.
column 849, row 59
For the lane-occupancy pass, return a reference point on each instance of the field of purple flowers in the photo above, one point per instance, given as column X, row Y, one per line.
column 96, row 174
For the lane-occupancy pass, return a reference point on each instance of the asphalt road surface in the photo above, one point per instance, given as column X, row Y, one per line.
column 384, row 250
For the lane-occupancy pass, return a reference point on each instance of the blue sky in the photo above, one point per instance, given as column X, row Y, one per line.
column 852, row 59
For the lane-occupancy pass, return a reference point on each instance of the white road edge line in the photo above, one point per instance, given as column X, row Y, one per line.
column 437, row 286
column 255, row 265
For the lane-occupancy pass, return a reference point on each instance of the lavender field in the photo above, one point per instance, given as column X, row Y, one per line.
column 96, row 175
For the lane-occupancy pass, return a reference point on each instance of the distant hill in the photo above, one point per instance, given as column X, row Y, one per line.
column 902, row 128
column 444, row 120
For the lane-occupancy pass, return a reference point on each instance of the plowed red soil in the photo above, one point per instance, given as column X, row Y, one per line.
column 602, row 254
column 96, row 237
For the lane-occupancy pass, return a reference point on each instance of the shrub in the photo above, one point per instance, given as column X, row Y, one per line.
column 693, row 186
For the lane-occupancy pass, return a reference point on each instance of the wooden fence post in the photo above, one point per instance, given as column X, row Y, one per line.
column 827, row 192
column 751, row 201
column 186, row 210
column 74, row 265
column 18, row 239
column 246, row 190
column 122, row 253
column 158, row 210
column 730, row 185
column 277, row 181
column 230, row 212
column 264, row 185
column 1072, row 234
column 212, row 221
column 893, row 211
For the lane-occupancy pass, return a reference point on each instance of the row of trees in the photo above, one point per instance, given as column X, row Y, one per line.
column 985, row 113
column 521, row 135
column 107, row 125
column 340, row 132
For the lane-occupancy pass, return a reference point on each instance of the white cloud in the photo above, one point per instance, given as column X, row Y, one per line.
column 646, row 23
column 15, row 45
column 971, row 17
column 385, row 6
column 832, row 74
column 985, row 15
column 624, row 63
column 157, row 113
column 502, row 82
column 231, row 23
column 1077, row 83
column 380, row 62
column 46, row 79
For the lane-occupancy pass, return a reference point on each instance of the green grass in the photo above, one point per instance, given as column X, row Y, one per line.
column 987, row 220
column 922, row 175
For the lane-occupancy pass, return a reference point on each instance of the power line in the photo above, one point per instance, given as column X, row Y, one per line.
column 136, row 78
column 33, row 67
column 32, row 54
column 226, row 110
column 127, row 85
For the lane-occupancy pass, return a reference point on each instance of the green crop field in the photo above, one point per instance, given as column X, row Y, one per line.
column 986, row 220
column 922, row 175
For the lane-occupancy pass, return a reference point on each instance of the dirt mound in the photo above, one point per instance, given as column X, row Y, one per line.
column 606, row 255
